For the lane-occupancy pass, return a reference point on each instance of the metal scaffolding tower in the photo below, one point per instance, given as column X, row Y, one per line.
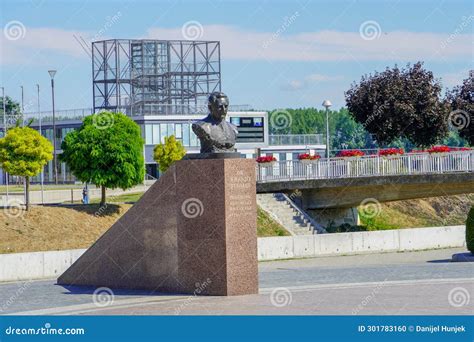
column 154, row 77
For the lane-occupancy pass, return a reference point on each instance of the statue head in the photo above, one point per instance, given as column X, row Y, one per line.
column 218, row 105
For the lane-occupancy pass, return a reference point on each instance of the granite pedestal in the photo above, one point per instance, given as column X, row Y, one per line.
column 194, row 231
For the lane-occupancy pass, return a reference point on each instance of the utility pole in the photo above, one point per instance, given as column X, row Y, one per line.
column 55, row 161
column 41, row 133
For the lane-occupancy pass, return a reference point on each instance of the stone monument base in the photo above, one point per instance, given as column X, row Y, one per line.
column 194, row 231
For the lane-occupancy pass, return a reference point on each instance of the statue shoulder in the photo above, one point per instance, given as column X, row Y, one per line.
column 201, row 127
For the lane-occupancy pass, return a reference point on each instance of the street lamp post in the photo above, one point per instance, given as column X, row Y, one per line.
column 55, row 169
column 327, row 104
column 41, row 133
column 5, row 132
column 22, row 101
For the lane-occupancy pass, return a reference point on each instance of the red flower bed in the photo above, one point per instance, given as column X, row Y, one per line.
column 391, row 151
column 439, row 149
column 307, row 156
column 460, row 149
column 350, row 153
column 266, row 159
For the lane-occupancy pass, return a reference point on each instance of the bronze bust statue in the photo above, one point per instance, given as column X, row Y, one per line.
column 214, row 132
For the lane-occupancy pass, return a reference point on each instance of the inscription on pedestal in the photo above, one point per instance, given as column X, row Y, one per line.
column 241, row 195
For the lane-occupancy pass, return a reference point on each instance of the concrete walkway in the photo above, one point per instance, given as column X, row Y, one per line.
column 387, row 284
column 65, row 195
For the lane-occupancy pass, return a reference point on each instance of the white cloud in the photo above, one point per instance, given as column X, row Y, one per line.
column 37, row 40
column 308, row 81
column 239, row 44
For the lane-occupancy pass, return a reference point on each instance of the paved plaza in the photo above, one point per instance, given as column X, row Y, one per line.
column 414, row 283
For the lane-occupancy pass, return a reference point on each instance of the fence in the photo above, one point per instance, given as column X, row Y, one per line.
column 367, row 166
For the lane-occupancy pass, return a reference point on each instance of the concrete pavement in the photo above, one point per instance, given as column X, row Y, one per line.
column 387, row 284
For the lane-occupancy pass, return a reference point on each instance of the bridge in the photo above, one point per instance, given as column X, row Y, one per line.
column 336, row 185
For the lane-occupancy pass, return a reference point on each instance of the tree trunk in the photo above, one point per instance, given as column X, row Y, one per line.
column 102, row 198
column 27, row 193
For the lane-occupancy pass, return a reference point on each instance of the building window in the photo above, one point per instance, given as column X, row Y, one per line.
column 149, row 134
column 170, row 129
column 163, row 132
column 186, row 134
column 194, row 139
column 177, row 131
column 235, row 121
column 156, row 134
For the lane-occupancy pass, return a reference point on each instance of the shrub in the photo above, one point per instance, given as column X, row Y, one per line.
column 470, row 231
column 166, row 154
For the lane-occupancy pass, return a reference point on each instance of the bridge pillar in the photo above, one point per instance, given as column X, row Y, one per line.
column 328, row 216
column 335, row 217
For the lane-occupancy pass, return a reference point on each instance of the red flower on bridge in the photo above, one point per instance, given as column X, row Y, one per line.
column 266, row 159
column 391, row 151
column 350, row 153
column 307, row 156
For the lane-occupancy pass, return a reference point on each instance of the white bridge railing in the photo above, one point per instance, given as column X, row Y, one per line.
column 368, row 166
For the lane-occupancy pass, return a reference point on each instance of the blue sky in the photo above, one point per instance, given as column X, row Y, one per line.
column 274, row 53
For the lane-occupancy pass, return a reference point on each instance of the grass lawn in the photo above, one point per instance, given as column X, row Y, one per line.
column 125, row 198
column 428, row 212
column 266, row 226
column 59, row 227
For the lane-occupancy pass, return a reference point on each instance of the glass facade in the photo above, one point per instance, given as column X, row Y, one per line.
column 156, row 133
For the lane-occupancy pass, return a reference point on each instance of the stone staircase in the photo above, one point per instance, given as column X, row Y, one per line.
column 282, row 210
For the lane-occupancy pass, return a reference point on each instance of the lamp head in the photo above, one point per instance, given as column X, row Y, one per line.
column 327, row 104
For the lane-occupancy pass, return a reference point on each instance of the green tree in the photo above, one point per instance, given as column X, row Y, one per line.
column 24, row 152
column 344, row 131
column 107, row 150
column 12, row 110
column 169, row 152
column 11, row 107
column 400, row 103
column 462, row 105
